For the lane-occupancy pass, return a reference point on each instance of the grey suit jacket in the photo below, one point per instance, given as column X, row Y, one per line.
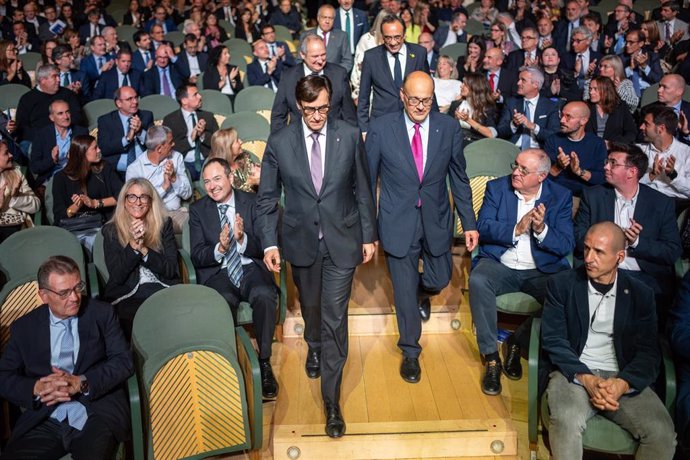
column 343, row 210
column 337, row 49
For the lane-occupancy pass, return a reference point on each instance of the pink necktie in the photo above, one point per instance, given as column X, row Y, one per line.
column 325, row 38
column 417, row 151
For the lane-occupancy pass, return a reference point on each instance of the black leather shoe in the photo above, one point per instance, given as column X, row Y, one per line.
column 269, row 385
column 410, row 370
column 335, row 425
column 313, row 365
column 424, row 306
column 512, row 368
column 491, row 382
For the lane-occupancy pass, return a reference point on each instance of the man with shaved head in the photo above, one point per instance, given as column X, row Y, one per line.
column 577, row 156
column 670, row 94
column 598, row 368
column 412, row 151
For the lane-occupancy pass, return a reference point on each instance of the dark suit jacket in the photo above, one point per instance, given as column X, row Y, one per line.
column 212, row 77
column 109, row 83
column 289, row 59
column 89, row 66
column 441, row 35
column 41, row 163
column 204, row 228
column 111, row 132
column 337, row 49
column 565, row 324
column 507, row 83
column 568, row 61
column 655, row 71
column 285, row 104
column 123, row 262
column 175, row 121
column 560, row 35
column 545, row 115
column 377, row 78
column 85, row 32
column 360, row 22
column 256, row 76
column 679, row 340
column 390, row 159
column 620, row 126
column 343, row 210
column 138, row 60
column 86, row 93
column 516, row 59
column 659, row 244
column 104, row 358
column 498, row 217
column 170, row 25
column 151, row 82
column 182, row 64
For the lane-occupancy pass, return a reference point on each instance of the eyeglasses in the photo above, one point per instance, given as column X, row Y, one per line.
column 528, row 37
column 612, row 163
column 579, row 40
column 521, row 169
column 392, row 38
column 415, row 101
column 143, row 199
column 80, row 288
column 323, row 110
column 631, row 42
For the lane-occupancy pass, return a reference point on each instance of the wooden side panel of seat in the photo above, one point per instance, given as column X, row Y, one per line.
column 478, row 186
column 196, row 406
column 20, row 301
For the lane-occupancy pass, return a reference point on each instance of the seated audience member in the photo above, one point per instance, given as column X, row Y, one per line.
column 472, row 63
column 277, row 48
column 679, row 339
column 142, row 56
column 313, row 54
column 600, row 41
column 158, row 39
column 652, row 38
column 49, row 150
column 70, row 405
column 412, row 29
column 121, row 75
column 563, row 30
column 25, row 40
column 191, row 62
column 84, row 191
column 642, row 67
column 446, row 83
column 604, row 367
column 512, row 34
column 221, row 75
column 165, row 169
column 450, row 34
column 670, row 94
column 669, row 159
column 476, row 109
column 558, row 83
column 577, row 156
column 247, row 28
column 673, row 29
column 528, row 54
column 545, row 27
column 498, row 38
column 502, row 81
column 646, row 216
column 620, row 22
column 287, row 16
column 227, row 145
column 97, row 62
column 486, row 13
column 529, row 119
column 163, row 77
column 580, row 61
column 264, row 70
column 122, row 132
column 17, row 200
column 228, row 255
column 47, row 48
column 70, row 78
column 32, row 109
column 609, row 118
column 192, row 128
column 215, row 34
column 337, row 44
column 527, row 232
column 611, row 67
column 91, row 28
column 140, row 250
column 160, row 18
column 113, row 44
column 11, row 67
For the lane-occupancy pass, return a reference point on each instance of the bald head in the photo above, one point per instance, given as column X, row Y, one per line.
column 574, row 119
column 612, row 232
column 417, row 94
column 418, row 81
column 579, row 108
column 671, row 89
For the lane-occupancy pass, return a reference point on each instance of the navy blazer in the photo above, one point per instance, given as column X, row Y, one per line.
column 390, row 158
column 654, row 64
column 516, row 59
column 204, row 228
column 111, row 132
column 545, row 115
column 377, row 78
column 680, row 338
column 289, row 59
column 41, row 163
column 256, row 76
column 109, row 82
column 182, row 63
column 170, row 25
column 441, row 35
column 104, row 358
column 659, row 244
column 151, row 82
column 86, row 92
column 89, row 66
column 566, row 319
column 498, row 217
column 138, row 60
column 85, row 32
column 360, row 22
column 285, row 104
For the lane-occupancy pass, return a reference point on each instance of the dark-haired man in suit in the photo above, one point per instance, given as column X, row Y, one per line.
column 191, row 62
column 97, row 62
column 122, row 74
column 227, row 253
column 162, row 78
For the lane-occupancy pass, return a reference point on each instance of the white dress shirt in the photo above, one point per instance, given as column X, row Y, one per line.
column 599, row 352
column 402, row 57
column 230, row 213
column 678, row 187
column 623, row 214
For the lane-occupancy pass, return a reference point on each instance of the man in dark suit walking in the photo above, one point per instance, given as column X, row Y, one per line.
column 328, row 228
column 227, row 253
column 352, row 21
column 122, row 74
column 412, row 152
column 337, row 44
column 313, row 53
column 65, row 364
column 383, row 70
column 192, row 128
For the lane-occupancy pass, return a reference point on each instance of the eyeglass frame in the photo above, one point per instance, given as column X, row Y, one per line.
column 79, row 288
column 132, row 198
column 415, row 101
column 522, row 170
column 612, row 163
column 310, row 111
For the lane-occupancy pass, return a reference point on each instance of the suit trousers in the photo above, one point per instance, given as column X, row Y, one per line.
column 409, row 284
column 258, row 288
column 52, row 440
column 324, row 294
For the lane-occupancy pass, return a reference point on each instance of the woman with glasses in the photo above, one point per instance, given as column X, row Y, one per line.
column 140, row 250
column 498, row 38
column 611, row 67
column 476, row 109
column 11, row 70
column 84, row 191
column 610, row 119
column 226, row 144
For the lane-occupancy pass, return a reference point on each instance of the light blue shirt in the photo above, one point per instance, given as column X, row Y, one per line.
column 179, row 190
column 63, row 148
column 57, row 331
column 138, row 142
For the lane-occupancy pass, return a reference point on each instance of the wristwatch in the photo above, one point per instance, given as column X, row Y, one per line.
column 84, row 387
column 673, row 174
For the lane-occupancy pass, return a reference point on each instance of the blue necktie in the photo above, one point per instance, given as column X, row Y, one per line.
column 100, row 64
column 636, row 82
column 73, row 411
column 132, row 152
column 526, row 139
column 234, row 266
column 197, row 146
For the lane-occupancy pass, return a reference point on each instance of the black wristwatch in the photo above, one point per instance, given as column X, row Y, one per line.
column 84, row 387
column 673, row 174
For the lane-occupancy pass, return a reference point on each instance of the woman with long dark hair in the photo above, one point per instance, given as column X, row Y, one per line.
column 609, row 117
column 11, row 70
column 476, row 109
column 474, row 61
column 221, row 75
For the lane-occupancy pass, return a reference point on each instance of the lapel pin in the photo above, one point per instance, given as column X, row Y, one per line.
column 626, row 291
column 412, row 55
column 337, row 139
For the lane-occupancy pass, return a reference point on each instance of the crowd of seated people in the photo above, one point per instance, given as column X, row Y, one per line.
column 593, row 101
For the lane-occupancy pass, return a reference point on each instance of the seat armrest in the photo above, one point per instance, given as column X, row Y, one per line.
column 92, row 273
column 533, row 383
column 186, row 264
column 249, row 363
column 135, row 413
